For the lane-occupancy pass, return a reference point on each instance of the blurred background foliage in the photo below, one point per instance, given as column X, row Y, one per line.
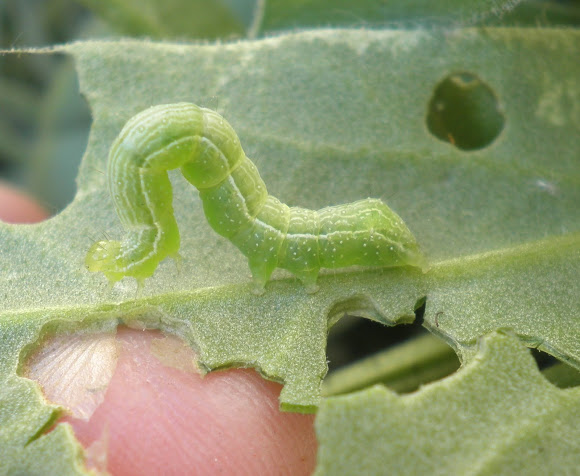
column 45, row 122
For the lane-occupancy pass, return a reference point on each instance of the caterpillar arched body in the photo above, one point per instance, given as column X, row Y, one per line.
column 236, row 203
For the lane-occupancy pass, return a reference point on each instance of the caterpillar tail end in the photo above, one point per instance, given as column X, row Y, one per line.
column 412, row 255
column 418, row 260
column 421, row 261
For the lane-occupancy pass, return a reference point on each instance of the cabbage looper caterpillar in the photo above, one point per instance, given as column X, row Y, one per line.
column 236, row 203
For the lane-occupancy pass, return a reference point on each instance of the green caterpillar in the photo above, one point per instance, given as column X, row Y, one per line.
column 236, row 203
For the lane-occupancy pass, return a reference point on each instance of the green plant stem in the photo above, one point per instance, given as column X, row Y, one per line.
column 402, row 368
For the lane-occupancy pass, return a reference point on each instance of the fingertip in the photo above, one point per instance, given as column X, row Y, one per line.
column 160, row 416
column 17, row 207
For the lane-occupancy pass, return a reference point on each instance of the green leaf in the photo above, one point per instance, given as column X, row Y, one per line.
column 328, row 117
column 531, row 289
column 496, row 416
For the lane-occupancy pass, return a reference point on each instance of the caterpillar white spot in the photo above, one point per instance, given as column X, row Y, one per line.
column 236, row 203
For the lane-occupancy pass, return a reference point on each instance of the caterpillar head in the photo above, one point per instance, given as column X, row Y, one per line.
column 103, row 256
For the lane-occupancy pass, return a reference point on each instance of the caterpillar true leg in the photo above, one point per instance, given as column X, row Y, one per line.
column 236, row 203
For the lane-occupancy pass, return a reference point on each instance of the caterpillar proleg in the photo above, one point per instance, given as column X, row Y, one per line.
column 236, row 203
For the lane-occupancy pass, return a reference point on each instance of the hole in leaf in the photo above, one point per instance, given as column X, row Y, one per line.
column 353, row 338
column 362, row 352
column 543, row 359
column 465, row 112
column 74, row 369
column 46, row 123
column 558, row 373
